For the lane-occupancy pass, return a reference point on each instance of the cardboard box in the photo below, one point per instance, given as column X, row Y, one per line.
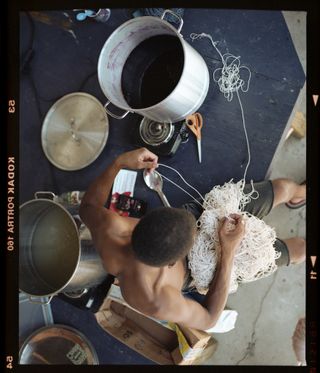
column 148, row 337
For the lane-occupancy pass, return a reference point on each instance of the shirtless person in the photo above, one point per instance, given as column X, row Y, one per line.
column 148, row 256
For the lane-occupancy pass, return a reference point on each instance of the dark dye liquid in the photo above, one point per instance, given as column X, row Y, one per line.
column 152, row 71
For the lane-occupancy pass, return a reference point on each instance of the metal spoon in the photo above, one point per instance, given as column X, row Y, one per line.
column 154, row 181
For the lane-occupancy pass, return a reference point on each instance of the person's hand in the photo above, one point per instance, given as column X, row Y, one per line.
column 138, row 159
column 231, row 232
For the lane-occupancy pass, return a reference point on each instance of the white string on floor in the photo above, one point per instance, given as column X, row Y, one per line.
column 229, row 81
column 255, row 257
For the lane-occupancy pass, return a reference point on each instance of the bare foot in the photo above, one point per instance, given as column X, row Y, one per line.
column 297, row 249
column 300, row 196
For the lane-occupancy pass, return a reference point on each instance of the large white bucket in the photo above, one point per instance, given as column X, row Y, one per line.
column 146, row 67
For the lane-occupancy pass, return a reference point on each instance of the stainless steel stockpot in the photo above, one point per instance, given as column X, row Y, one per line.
column 186, row 97
column 55, row 255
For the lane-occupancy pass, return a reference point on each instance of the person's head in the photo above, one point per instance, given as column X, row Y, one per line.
column 163, row 236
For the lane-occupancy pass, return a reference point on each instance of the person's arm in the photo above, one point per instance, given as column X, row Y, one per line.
column 217, row 295
column 92, row 210
column 170, row 304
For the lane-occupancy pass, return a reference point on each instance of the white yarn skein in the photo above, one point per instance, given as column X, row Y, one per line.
column 255, row 257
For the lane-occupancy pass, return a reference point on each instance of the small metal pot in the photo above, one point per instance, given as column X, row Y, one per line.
column 54, row 254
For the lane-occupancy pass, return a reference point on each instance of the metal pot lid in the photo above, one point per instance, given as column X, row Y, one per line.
column 74, row 131
column 58, row 344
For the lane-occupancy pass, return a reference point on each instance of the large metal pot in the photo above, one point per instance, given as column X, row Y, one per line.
column 55, row 254
column 192, row 82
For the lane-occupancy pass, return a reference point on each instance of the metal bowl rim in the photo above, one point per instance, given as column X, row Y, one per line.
column 56, row 326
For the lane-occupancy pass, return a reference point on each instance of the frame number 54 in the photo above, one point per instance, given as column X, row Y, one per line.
column 9, row 361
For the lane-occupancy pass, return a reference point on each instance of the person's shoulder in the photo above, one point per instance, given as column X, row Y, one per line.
column 114, row 226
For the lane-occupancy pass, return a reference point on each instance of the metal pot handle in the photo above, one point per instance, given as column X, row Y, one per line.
column 114, row 115
column 51, row 195
column 74, row 295
column 39, row 301
column 174, row 14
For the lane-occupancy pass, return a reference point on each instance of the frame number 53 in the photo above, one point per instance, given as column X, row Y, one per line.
column 11, row 107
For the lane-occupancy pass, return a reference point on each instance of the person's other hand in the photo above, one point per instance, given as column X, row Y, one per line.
column 231, row 232
column 138, row 159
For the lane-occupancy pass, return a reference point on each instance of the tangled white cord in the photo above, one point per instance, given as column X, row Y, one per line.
column 178, row 186
column 229, row 81
column 256, row 256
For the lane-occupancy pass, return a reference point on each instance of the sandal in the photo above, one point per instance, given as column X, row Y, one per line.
column 297, row 205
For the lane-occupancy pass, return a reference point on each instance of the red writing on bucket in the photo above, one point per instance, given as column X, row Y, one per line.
column 10, row 203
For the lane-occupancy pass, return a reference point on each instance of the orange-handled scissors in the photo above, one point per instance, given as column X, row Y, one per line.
column 195, row 123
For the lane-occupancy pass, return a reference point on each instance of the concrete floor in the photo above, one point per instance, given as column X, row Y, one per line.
column 269, row 309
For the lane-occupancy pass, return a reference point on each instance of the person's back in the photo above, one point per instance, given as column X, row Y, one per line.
column 145, row 256
column 149, row 256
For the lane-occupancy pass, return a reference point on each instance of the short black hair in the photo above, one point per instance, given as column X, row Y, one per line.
column 163, row 236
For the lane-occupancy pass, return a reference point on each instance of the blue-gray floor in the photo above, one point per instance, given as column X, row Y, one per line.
column 61, row 63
